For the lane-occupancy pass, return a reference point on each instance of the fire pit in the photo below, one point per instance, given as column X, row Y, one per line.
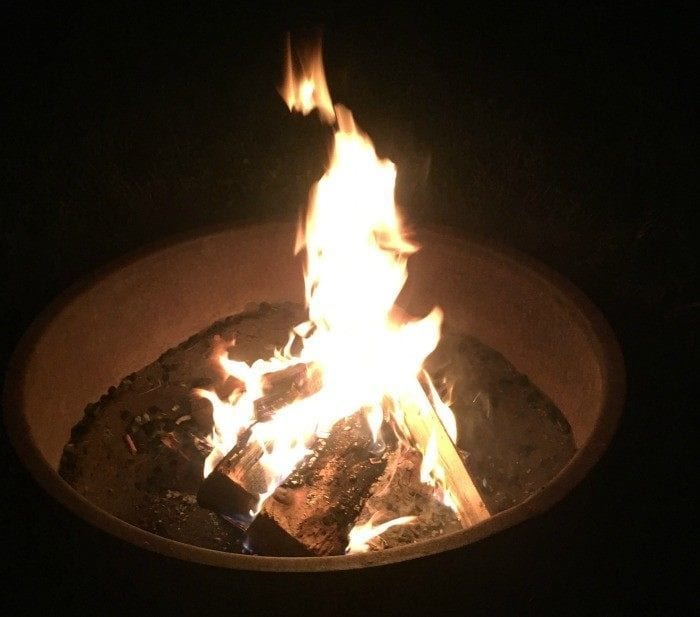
column 126, row 316
column 343, row 434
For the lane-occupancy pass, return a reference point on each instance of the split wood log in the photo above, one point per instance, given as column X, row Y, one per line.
column 234, row 487
column 422, row 422
column 312, row 512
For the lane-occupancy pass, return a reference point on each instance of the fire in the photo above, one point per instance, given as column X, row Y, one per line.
column 367, row 353
column 361, row 535
column 304, row 88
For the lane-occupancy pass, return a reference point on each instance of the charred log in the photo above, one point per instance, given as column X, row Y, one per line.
column 284, row 387
column 233, row 488
column 314, row 510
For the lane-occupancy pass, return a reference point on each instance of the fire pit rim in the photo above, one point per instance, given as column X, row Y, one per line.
column 607, row 351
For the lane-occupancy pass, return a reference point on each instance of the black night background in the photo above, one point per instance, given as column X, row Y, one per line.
column 565, row 130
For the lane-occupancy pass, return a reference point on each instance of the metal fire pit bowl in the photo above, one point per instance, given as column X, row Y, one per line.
column 125, row 316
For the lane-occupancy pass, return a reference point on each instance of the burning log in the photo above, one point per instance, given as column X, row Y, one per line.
column 226, row 389
column 234, row 487
column 280, row 388
column 424, row 424
column 312, row 512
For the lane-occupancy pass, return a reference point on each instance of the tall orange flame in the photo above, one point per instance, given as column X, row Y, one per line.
column 356, row 254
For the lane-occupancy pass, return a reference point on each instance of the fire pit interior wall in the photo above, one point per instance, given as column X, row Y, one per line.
column 516, row 310
column 132, row 313
column 136, row 311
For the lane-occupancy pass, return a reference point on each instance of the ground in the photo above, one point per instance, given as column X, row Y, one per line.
column 566, row 132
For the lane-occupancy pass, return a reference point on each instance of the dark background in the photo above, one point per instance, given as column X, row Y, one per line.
column 565, row 131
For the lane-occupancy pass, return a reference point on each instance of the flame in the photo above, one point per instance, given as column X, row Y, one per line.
column 375, row 418
column 433, row 474
column 442, row 410
column 361, row 535
column 304, row 88
column 368, row 354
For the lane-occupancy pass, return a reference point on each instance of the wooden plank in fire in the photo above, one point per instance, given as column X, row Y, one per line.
column 422, row 422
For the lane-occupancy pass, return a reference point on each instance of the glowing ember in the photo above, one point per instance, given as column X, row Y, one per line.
column 366, row 357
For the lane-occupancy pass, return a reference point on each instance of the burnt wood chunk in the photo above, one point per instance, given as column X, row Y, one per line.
column 225, row 389
column 280, row 388
column 399, row 492
column 233, row 488
column 312, row 512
